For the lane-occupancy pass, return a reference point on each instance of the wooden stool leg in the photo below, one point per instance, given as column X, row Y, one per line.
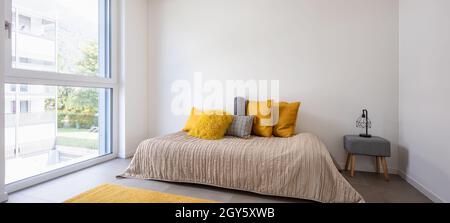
column 385, row 168
column 347, row 163
column 377, row 163
column 353, row 161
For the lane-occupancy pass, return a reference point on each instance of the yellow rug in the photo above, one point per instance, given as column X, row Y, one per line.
column 109, row 193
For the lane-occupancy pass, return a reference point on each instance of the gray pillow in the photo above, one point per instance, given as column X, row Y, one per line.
column 241, row 126
column 240, row 106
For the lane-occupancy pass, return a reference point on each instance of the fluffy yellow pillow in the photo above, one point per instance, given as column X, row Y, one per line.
column 287, row 119
column 211, row 127
column 263, row 121
column 195, row 116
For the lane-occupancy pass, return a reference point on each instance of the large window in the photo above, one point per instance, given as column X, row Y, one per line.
column 60, row 85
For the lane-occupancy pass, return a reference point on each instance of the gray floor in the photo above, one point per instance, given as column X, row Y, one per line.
column 371, row 186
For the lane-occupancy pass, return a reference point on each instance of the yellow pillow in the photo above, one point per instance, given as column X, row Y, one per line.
column 263, row 121
column 195, row 116
column 287, row 119
column 211, row 127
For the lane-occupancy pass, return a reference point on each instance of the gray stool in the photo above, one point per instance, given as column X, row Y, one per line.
column 375, row 146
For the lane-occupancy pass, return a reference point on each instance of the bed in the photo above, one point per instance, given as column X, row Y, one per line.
column 296, row 167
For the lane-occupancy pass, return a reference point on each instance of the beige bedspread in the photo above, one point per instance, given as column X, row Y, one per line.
column 297, row 167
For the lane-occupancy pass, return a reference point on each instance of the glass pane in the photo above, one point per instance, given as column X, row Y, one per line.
column 56, row 127
column 64, row 36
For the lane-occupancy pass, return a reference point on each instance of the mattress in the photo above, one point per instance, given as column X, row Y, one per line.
column 296, row 167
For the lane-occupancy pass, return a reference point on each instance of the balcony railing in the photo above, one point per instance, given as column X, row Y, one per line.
column 26, row 119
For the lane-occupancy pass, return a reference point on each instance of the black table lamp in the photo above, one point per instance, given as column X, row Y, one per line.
column 364, row 122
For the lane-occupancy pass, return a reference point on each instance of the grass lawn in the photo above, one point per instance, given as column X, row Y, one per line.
column 81, row 138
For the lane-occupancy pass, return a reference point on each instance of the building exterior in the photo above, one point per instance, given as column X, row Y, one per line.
column 30, row 125
column 34, row 47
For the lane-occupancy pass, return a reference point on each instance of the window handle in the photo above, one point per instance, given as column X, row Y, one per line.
column 8, row 28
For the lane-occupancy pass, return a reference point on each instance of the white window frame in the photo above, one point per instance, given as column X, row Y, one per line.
column 19, row 76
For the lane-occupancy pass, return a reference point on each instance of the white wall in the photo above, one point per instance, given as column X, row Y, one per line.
column 3, row 196
column 424, row 149
column 337, row 57
column 133, row 78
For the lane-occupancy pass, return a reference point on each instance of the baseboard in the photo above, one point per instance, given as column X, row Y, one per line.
column 368, row 169
column 3, row 197
column 425, row 191
column 129, row 155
